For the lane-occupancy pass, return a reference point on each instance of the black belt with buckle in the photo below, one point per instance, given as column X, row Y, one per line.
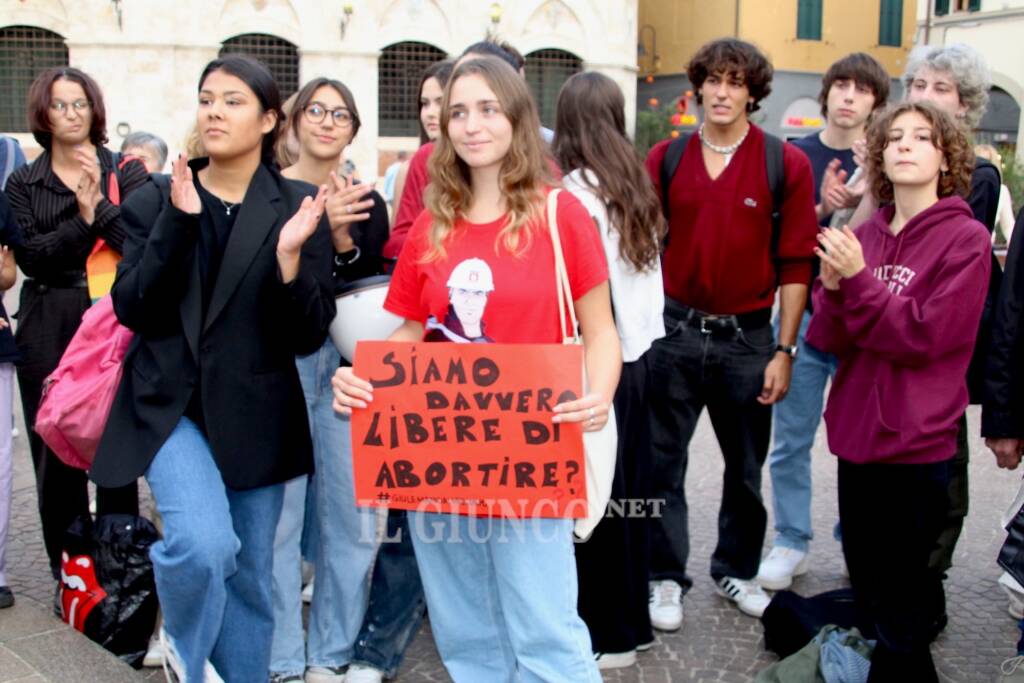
column 69, row 280
column 709, row 323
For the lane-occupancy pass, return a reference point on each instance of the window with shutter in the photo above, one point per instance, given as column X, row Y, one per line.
column 25, row 51
column 277, row 54
column 398, row 76
column 890, row 26
column 808, row 20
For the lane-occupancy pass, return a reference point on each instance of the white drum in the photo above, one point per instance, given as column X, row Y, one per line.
column 361, row 315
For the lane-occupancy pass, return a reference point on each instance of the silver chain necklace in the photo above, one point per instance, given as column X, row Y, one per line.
column 727, row 150
column 228, row 206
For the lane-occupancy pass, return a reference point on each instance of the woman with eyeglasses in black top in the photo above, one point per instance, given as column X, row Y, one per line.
column 62, row 203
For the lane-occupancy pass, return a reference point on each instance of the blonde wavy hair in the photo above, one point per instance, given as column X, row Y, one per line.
column 524, row 170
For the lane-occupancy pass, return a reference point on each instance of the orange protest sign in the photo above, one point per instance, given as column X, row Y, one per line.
column 466, row 428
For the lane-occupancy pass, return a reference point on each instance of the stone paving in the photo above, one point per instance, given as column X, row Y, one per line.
column 716, row 643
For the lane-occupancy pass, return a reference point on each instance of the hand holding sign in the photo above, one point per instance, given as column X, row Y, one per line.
column 350, row 391
column 591, row 410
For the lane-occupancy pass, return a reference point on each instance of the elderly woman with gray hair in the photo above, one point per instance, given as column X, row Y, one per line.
column 956, row 79
column 148, row 148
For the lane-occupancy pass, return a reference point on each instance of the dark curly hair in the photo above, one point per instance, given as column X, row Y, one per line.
column 736, row 58
column 947, row 137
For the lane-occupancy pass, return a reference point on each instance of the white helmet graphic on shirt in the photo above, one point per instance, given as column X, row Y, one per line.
column 472, row 274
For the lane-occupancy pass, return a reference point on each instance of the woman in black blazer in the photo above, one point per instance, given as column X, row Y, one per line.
column 224, row 283
column 62, row 204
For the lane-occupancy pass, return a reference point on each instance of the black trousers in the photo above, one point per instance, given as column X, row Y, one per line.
column 891, row 517
column 612, row 565
column 691, row 370
column 47, row 319
column 942, row 558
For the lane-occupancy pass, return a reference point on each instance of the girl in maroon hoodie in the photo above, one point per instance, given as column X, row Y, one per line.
column 894, row 301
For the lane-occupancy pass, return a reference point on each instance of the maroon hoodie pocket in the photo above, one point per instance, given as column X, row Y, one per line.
column 871, row 435
column 887, row 422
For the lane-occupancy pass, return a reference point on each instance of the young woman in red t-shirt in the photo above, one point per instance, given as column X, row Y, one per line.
column 479, row 263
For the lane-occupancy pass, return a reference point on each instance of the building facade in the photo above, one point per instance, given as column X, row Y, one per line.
column 801, row 38
column 147, row 56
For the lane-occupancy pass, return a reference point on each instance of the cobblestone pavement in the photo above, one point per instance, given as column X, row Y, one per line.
column 716, row 643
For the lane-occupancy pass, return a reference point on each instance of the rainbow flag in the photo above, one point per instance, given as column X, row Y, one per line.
column 100, row 268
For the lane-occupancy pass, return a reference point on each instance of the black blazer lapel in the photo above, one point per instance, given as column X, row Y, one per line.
column 258, row 216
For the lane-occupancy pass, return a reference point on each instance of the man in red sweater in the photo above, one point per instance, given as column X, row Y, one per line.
column 724, row 261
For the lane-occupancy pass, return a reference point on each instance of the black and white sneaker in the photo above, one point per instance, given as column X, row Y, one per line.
column 747, row 594
column 615, row 660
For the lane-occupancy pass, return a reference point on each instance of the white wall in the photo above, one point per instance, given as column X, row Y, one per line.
column 148, row 68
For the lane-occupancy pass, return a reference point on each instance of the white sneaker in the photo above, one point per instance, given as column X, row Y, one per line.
column 172, row 661
column 1015, row 592
column 665, row 604
column 357, row 673
column 325, row 674
column 747, row 594
column 154, row 658
column 782, row 565
column 611, row 660
column 307, row 592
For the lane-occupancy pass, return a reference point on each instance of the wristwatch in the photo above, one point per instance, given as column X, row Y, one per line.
column 788, row 349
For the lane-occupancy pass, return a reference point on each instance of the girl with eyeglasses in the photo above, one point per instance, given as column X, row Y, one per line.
column 324, row 121
column 62, row 203
column 224, row 283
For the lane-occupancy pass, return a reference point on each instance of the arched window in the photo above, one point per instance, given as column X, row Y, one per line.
column 398, row 76
column 546, row 71
column 25, row 51
column 280, row 56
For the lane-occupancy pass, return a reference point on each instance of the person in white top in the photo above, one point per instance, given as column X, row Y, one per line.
column 605, row 173
column 1004, row 213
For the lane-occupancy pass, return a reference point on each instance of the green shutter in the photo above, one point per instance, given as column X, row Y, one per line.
column 890, row 25
column 973, row 5
column 941, row 7
column 808, row 20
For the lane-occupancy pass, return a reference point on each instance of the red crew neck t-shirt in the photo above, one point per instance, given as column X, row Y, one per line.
column 480, row 291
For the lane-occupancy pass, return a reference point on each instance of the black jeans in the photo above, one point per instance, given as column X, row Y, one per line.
column 690, row 370
column 891, row 517
column 612, row 565
column 942, row 557
column 47, row 320
column 397, row 604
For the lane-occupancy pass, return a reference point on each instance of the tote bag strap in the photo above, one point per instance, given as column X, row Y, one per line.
column 562, row 289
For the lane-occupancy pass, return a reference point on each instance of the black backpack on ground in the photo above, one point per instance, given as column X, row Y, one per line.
column 791, row 620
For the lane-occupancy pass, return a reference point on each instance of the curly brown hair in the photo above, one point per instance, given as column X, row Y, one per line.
column 524, row 171
column 736, row 58
column 947, row 137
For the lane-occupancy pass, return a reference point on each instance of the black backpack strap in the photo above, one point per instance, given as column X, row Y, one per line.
column 669, row 166
column 775, row 165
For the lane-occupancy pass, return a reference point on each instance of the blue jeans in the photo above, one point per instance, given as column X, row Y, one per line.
column 343, row 535
column 213, row 562
column 796, row 422
column 502, row 598
column 397, row 605
column 288, row 650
